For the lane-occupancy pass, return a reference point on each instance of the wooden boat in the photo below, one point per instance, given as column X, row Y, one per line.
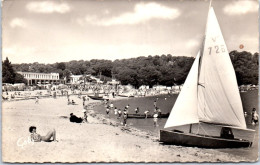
column 96, row 97
column 122, row 95
column 209, row 95
column 195, row 140
column 142, row 116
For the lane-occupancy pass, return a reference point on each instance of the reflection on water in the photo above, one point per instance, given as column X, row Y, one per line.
column 166, row 102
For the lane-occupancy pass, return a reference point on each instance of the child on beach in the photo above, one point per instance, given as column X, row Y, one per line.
column 37, row 137
column 107, row 110
column 116, row 111
column 137, row 110
column 119, row 113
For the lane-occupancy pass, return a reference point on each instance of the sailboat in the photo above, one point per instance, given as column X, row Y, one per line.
column 209, row 95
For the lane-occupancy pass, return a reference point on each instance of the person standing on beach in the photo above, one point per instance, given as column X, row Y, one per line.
column 111, row 106
column 155, row 120
column 85, row 118
column 116, row 111
column 119, row 113
column 107, row 110
column 124, row 119
column 159, row 112
column 254, row 117
column 146, row 113
column 36, row 100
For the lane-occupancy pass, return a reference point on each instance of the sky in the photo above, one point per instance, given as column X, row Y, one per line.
column 65, row 30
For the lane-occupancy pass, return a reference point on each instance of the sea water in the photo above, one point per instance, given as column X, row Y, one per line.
column 166, row 102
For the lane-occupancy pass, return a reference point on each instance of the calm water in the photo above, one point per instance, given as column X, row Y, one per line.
column 166, row 102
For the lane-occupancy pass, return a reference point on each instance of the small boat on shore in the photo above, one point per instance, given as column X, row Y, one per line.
column 121, row 95
column 209, row 96
column 96, row 97
column 142, row 116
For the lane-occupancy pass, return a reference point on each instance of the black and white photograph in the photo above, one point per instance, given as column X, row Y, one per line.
column 130, row 81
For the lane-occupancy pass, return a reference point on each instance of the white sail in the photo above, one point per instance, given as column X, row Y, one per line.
column 218, row 96
column 185, row 107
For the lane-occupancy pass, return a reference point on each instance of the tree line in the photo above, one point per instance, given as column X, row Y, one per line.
column 152, row 70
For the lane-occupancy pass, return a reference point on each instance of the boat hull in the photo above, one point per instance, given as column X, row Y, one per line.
column 96, row 97
column 194, row 140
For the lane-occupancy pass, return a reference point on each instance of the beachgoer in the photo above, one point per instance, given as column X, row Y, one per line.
column 85, row 118
column 126, row 107
column 73, row 102
column 254, row 117
column 113, row 94
column 124, row 119
column 116, row 111
column 36, row 100
column 107, row 110
column 119, row 113
column 155, row 103
column 37, row 137
column 75, row 119
column 146, row 113
column 69, row 102
column 159, row 112
column 155, row 110
column 226, row 133
column 111, row 105
column 137, row 110
column 155, row 120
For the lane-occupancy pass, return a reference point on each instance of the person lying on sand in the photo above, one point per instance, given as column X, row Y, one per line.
column 74, row 118
column 38, row 138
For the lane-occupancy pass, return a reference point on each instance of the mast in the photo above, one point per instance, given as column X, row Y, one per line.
column 203, row 43
column 201, row 56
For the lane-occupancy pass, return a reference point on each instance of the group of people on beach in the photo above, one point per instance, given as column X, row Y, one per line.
column 124, row 114
column 117, row 112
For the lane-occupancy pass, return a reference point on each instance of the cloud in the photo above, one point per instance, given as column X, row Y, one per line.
column 191, row 44
column 142, row 12
column 17, row 22
column 241, row 7
column 48, row 7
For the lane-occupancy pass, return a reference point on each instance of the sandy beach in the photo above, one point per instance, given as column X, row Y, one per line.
column 99, row 140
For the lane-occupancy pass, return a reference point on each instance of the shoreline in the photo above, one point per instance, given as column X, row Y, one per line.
column 99, row 140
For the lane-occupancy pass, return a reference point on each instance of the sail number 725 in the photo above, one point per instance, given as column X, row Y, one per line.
column 217, row 49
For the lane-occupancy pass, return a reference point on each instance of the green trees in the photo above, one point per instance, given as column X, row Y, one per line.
column 246, row 67
column 9, row 75
column 152, row 70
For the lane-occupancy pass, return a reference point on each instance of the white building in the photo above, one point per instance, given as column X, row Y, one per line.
column 75, row 78
column 40, row 78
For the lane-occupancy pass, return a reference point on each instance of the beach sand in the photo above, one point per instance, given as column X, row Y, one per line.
column 99, row 140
